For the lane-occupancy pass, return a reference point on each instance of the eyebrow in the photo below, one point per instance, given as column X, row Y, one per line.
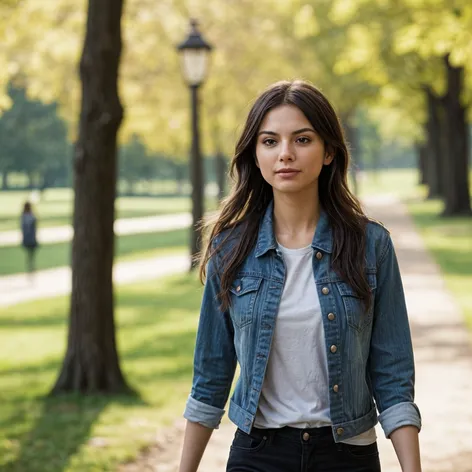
column 298, row 131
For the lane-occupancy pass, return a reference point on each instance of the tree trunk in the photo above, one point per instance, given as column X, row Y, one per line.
column 220, row 168
column 422, row 155
column 5, row 180
column 433, row 146
column 30, row 177
column 91, row 362
column 456, row 172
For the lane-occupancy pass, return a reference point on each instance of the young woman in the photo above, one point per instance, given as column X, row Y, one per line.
column 304, row 292
column 29, row 241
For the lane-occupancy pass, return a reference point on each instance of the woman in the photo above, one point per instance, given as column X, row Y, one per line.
column 304, row 292
column 28, row 230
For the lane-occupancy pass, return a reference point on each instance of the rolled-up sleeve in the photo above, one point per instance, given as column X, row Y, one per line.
column 214, row 357
column 391, row 361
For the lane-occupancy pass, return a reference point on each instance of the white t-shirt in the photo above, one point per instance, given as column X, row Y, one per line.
column 296, row 385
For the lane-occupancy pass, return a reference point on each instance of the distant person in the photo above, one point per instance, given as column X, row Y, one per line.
column 304, row 292
column 28, row 230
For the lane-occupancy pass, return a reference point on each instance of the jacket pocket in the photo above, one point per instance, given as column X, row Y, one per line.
column 357, row 315
column 243, row 297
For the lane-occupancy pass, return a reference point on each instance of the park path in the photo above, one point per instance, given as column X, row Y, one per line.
column 443, row 364
column 124, row 226
column 54, row 282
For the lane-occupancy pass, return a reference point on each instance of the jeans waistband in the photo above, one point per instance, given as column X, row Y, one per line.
column 294, row 434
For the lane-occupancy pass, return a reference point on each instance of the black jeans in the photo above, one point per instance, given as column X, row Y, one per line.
column 298, row 450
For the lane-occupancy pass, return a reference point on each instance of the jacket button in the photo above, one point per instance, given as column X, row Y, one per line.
column 336, row 388
column 333, row 348
column 340, row 431
column 238, row 288
column 325, row 290
column 331, row 316
column 319, row 255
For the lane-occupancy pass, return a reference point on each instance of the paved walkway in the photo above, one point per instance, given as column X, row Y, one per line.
column 148, row 224
column 54, row 282
column 443, row 359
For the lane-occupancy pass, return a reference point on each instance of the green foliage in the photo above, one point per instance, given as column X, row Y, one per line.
column 34, row 138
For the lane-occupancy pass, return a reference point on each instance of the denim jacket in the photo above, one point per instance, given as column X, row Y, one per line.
column 370, row 354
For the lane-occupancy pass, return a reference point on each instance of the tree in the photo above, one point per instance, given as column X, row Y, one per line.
column 91, row 361
column 34, row 138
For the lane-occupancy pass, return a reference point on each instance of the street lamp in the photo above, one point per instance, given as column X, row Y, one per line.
column 195, row 52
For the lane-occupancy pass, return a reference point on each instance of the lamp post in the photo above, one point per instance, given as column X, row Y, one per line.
column 195, row 52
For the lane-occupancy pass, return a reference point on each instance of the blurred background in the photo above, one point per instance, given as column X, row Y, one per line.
column 120, row 138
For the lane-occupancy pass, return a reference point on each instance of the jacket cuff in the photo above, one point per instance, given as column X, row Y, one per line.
column 206, row 415
column 401, row 414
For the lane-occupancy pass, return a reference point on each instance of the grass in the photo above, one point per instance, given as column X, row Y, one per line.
column 401, row 182
column 129, row 247
column 55, row 208
column 156, row 328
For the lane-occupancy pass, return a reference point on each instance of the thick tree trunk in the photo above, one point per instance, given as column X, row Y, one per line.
column 456, row 172
column 91, row 361
column 433, row 146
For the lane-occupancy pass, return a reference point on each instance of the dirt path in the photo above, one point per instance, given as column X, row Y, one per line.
column 122, row 226
column 443, row 358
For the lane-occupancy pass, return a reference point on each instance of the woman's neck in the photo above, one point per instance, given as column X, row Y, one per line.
column 295, row 218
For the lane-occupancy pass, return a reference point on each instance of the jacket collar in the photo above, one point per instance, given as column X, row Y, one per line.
column 322, row 239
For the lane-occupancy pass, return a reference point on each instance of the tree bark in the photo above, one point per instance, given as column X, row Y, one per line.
column 91, row 362
column 456, row 169
column 433, row 146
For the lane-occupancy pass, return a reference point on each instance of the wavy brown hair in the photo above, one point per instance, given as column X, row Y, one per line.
column 250, row 195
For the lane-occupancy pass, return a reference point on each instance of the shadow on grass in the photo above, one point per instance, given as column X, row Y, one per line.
column 156, row 331
column 62, row 427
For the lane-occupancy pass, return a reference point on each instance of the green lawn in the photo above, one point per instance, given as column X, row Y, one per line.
column 156, row 329
column 130, row 247
column 55, row 208
column 401, row 182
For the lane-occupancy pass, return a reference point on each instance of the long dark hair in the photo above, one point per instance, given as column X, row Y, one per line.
column 250, row 195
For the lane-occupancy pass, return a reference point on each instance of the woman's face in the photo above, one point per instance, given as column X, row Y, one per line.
column 290, row 154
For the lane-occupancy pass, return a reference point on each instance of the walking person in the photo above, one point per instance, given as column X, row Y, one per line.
column 29, row 241
column 304, row 292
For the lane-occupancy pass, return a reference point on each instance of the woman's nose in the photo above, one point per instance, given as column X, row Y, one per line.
column 286, row 153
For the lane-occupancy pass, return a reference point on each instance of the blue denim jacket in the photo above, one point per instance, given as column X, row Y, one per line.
column 370, row 355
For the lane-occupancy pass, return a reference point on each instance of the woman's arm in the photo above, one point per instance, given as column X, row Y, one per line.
column 195, row 442
column 391, row 362
column 406, row 444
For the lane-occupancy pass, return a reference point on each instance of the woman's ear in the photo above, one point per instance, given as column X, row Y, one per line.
column 328, row 159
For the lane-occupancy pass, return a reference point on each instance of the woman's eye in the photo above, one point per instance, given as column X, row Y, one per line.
column 303, row 140
column 269, row 142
